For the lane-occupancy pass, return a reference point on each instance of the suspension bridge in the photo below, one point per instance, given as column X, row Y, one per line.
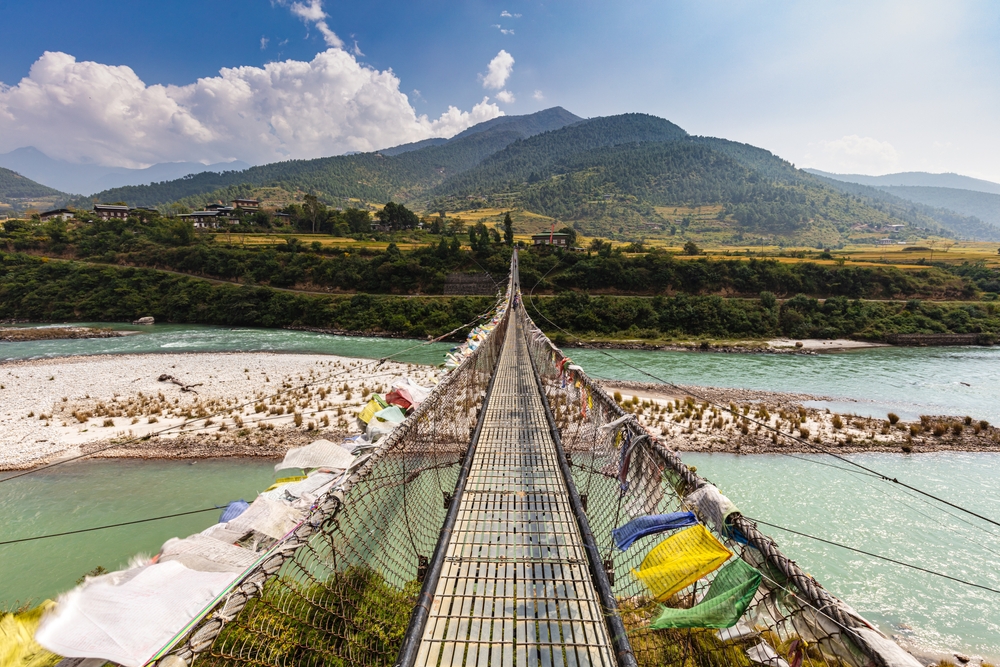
column 520, row 516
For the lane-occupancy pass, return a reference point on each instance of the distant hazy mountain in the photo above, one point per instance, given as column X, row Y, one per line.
column 916, row 179
column 982, row 205
column 89, row 178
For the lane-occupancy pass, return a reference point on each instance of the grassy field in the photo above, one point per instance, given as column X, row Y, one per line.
column 903, row 257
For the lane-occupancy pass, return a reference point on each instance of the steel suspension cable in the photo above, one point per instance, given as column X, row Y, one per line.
column 759, row 423
column 874, row 555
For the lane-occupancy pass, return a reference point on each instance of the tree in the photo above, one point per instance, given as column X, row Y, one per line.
column 479, row 238
column 508, row 230
column 358, row 221
column 691, row 248
column 571, row 236
column 314, row 211
column 397, row 216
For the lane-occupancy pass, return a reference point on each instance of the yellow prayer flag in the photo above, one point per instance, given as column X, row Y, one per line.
column 680, row 560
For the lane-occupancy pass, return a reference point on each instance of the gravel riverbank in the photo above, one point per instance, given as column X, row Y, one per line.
column 688, row 421
column 261, row 404
column 236, row 404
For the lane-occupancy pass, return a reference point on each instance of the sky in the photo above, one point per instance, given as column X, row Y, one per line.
column 850, row 86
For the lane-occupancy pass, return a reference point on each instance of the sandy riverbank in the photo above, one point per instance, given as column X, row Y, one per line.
column 690, row 424
column 55, row 408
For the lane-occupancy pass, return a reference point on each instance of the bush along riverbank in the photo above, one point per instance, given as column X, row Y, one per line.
column 38, row 290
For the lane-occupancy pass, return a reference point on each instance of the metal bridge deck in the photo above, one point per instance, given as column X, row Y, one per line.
column 515, row 588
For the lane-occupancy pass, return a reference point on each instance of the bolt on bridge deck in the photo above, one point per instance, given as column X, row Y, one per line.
column 515, row 588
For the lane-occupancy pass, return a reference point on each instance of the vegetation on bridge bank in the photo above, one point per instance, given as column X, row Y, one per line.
column 149, row 240
column 35, row 289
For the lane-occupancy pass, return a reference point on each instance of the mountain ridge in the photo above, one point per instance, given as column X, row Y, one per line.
column 88, row 178
column 625, row 177
column 916, row 179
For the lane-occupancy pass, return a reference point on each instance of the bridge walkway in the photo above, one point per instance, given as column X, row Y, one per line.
column 515, row 588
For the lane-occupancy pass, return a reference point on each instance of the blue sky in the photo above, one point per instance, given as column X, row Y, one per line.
column 865, row 86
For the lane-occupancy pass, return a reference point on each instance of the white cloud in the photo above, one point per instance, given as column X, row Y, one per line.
column 505, row 31
column 507, row 15
column 263, row 43
column 506, row 97
column 104, row 114
column 498, row 71
column 357, row 50
column 312, row 12
column 538, row 95
column 853, row 153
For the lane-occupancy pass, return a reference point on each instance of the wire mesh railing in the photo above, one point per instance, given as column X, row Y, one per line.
column 339, row 589
column 623, row 472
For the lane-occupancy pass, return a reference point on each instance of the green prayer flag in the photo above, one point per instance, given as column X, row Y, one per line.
column 727, row 600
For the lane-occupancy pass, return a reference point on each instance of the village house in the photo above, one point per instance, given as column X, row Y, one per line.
column 248, row 205
column 63, row 213
column 109, row 211
column 208, row 219
column 559, row 239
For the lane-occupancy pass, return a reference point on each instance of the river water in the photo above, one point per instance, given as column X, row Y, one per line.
column 803, row 493
column 174, row 338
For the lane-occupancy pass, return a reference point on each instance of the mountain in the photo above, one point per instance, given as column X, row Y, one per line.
column 87, row 178
column 527, row 125
column 545, row 153
column 965, row 196
column 964, row 226
column 630, row 176
column 406, row 148
column 18, row 193
column 982, row 205
column 403, row 172
column 916, row 179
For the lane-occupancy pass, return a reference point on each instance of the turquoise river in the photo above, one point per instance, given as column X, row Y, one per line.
column 811, row 494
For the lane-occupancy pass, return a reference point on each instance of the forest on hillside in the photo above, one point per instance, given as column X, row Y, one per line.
column 152, row 241
column 605, row 176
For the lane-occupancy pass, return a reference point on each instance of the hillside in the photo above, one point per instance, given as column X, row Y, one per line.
column 403, row 172
column 626, row 177
column 15, row 186
column 87, row 178
column 638, row 176
column 980, row 205
column 18, row 193
column 916, row 179
column 964, row 226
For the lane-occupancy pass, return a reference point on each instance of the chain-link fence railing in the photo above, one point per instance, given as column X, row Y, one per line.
column 623, row 472
column 340, row 589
